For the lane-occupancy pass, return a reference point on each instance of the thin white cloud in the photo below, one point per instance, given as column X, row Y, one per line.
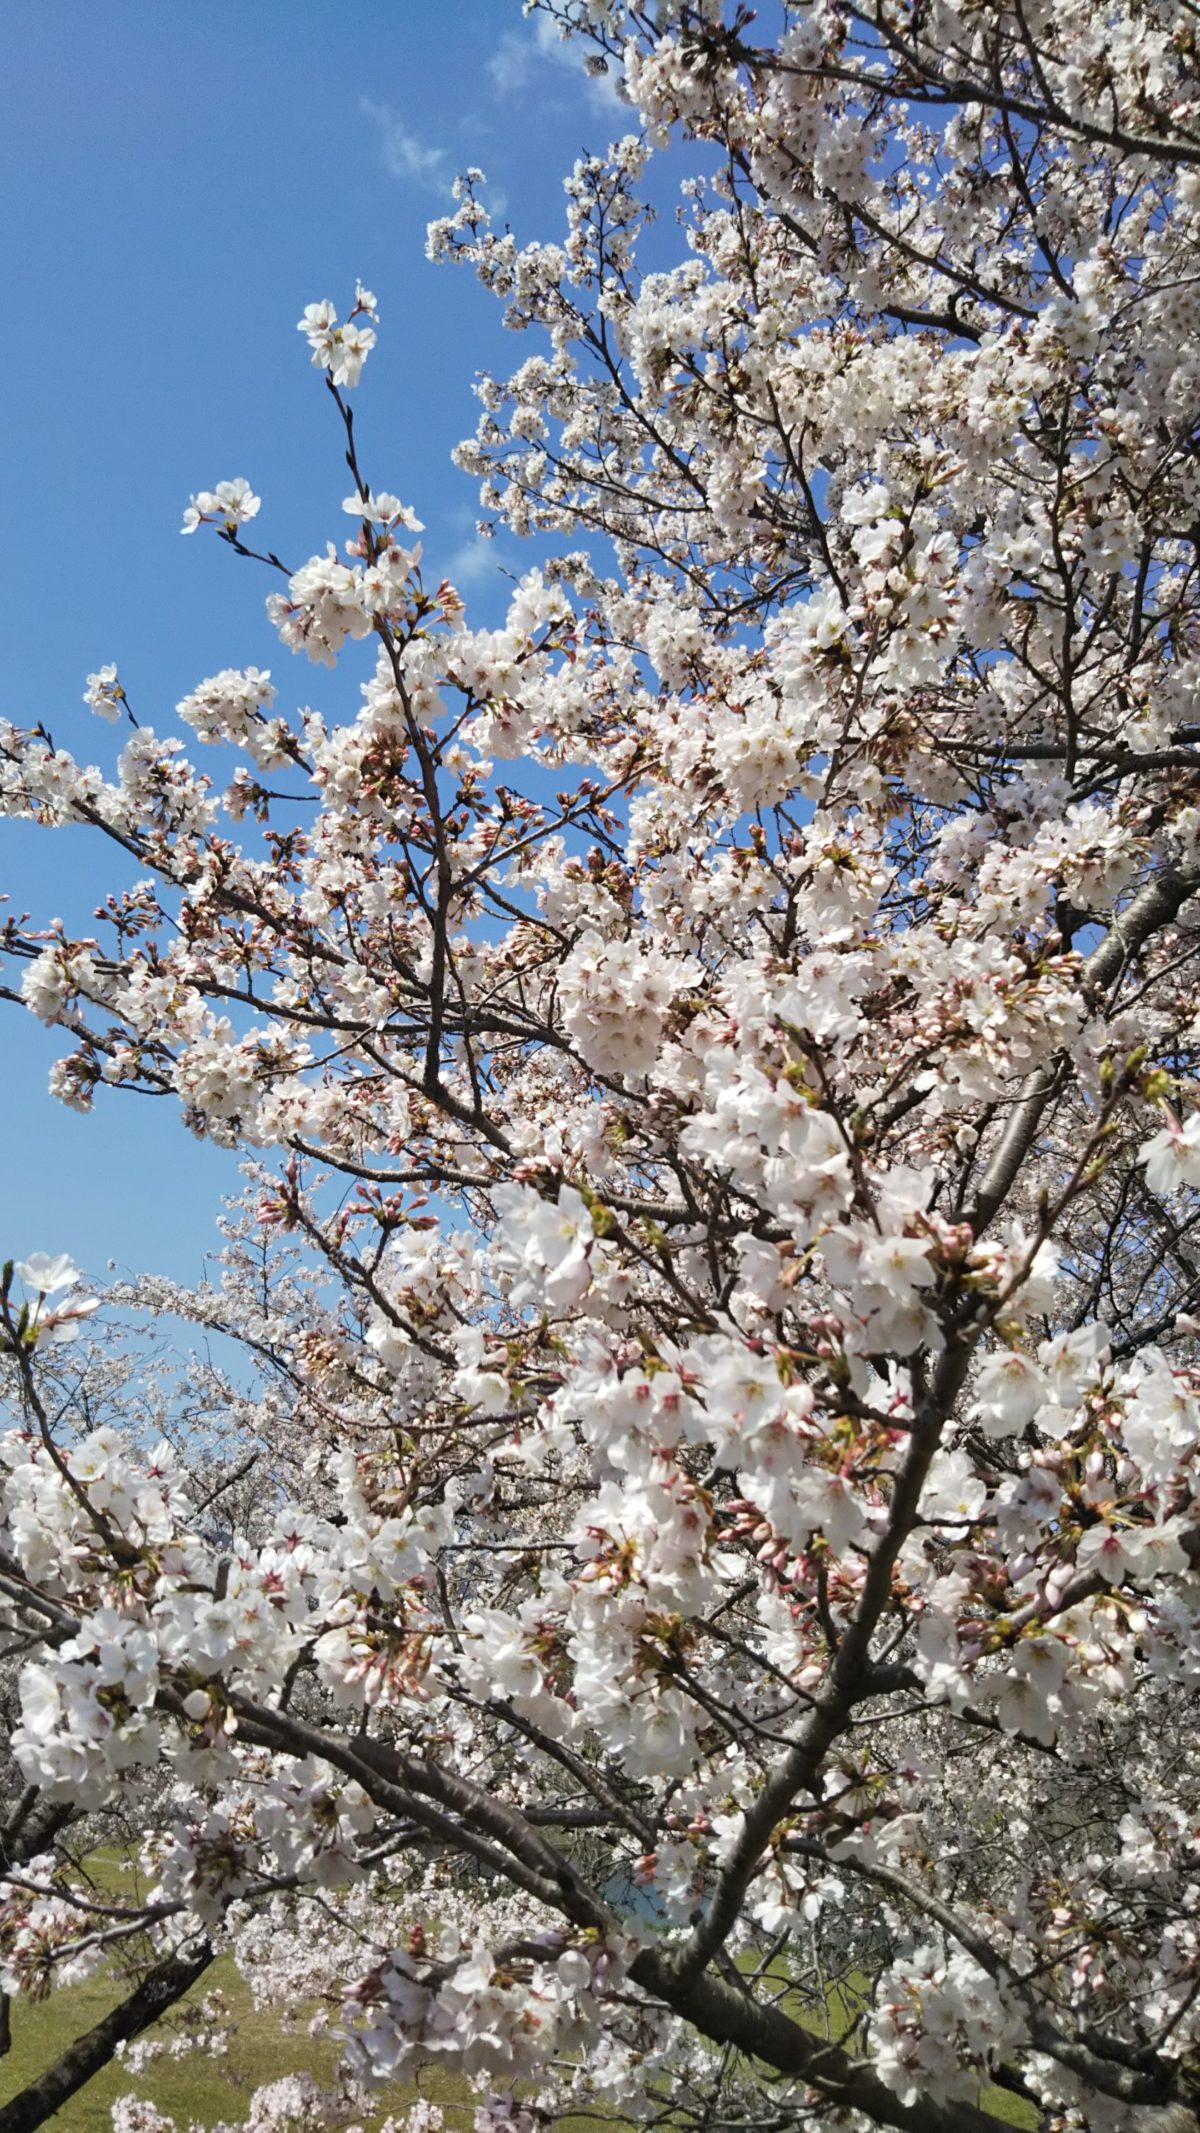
column 405, row 155
column 476, row 562
column 511, row 64
column 521, row 50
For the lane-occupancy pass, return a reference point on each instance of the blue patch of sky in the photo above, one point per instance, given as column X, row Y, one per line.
column 179, row 183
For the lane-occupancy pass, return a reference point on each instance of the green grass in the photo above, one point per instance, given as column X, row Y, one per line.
column 1010, row 2110
column 203, row 2089
column 199, row 2087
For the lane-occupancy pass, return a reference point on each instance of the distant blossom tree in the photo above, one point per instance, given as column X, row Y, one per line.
column 713, row 1631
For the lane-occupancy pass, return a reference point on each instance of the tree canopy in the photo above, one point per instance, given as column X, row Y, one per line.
column 698, row 1617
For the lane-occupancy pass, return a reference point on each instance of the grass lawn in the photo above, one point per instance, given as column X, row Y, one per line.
column 203, row 2089
column 200, row 2088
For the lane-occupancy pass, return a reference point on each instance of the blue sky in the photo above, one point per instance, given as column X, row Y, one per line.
column 179, row 181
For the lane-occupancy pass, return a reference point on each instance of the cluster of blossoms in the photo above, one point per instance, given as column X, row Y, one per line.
column 42, row 1276
column 104, row 694
column 729, row 1492
column 229, row 505
column 340, row 349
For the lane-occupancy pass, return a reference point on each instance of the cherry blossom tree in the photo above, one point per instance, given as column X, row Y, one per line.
column 58, row 1924
column 714, row 1636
